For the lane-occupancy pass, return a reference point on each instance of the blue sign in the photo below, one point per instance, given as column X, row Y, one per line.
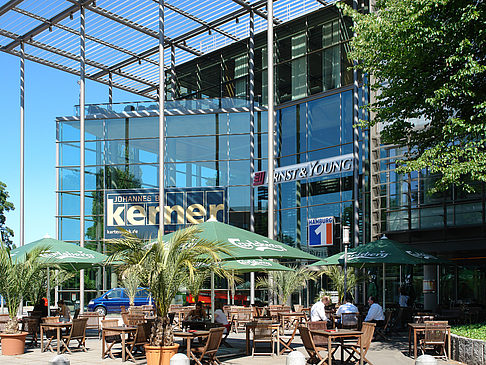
column 321, row 231
column 137, row 211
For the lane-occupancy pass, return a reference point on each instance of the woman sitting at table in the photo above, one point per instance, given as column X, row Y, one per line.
column 221, row 318
column 199, row 313
column 64, row 314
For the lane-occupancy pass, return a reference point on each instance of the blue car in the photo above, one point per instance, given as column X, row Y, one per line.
column 113, row 299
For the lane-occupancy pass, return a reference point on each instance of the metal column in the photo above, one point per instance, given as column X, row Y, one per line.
column 173, row 85
column 251, row 76
column 22, row 156
column 271, row 149
column 82, row 58
column 161, row 117
column 110, row 90
column 355, row 150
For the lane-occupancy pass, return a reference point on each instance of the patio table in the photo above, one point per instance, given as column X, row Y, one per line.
column 189, row 336
column 123, row 330
column 341, row 335
column 420, row 327
column 57, row 326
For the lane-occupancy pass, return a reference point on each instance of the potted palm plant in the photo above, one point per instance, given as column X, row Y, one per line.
column 15, row 281
column 131, row 282
column 165, row 266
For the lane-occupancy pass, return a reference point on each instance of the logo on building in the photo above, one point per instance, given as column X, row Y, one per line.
column 137, row 211
column 324, row 167
column 321, row 231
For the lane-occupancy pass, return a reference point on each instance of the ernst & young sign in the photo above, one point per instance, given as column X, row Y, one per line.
column 324, row 167
column 137, row 211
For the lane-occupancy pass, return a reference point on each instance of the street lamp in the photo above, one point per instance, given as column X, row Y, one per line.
column 346, row 244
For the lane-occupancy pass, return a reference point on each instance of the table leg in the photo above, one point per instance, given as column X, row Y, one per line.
column 42, row 338
column 247, row 340
column 329, row 348
column 409, row 341
column 188, row 344
column 360, row 350
column 102, row 344
column 414, row 343
column 123, row 346
column 58, row 335
column 278, row 342
column 449, row 343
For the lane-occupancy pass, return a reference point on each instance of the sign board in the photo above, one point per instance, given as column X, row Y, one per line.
column 321, row 231
column 324, row 167
column 137, row 211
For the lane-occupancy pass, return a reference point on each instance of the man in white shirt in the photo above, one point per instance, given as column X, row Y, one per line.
column 375, row 313
column 318, row 310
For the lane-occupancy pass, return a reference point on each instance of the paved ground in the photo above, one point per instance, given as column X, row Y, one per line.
column 393, row 352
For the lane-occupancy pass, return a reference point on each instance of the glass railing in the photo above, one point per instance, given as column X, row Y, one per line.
column 170, row 105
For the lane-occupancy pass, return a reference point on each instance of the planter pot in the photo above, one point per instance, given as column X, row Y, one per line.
column 13, row 343
column 160, row 355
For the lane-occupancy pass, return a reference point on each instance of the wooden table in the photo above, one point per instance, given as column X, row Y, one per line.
column 123, row 331
column 57, row 326
column 420, row 327
column 297, row 316
column 340, row 334
column 250, row 325
column 189, row 336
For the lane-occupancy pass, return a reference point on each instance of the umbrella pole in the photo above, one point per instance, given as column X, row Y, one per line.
column 252, row 288
column 48, row 294
column 383, row 286
column 212, row 296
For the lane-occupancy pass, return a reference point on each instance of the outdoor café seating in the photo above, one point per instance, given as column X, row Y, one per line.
column 110, row 337
column 311, row 347
column 3, row 321
column 93, row 321
column 353, row 348
column 319, row 326
column 140, row 338
column 435, row 337
column 210, row 349
column 50, row 332
column 31, row 325
column 263, row 333
column 78, row 333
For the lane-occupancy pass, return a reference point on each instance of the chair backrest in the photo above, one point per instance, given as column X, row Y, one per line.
column 107, row 323
column 78, row 329
column 50, row 319
column 388, row 316
column 76, row 313
column 123, row 308
column 307, row 340
column 368, row 329
column 214, row 340
column 4, row 317
column 135, row 319
column 124, row 316
column 92, row 318
column 262, row 331
column 143, row 333
column 244, row 314
column 32, row 325
column 349, row 319
column 319, row 326
column 298, row 307
column 435, row 331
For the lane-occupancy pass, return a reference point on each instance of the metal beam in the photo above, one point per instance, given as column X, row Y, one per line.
column 258, row 12
column 72, row 71
column 10, row 5
column 74, row 57
column 42, row 27
column 76, row 32
column 200, row 21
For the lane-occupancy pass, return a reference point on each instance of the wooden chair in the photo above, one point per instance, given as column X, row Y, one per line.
column 111, row 337
column 319, row 341
column 3, row 321
column 262, row 333
column 381, row 331
column 435, row 336
column 210, row 349
column 243, row 316
column 140, row 338
column 93, row 321
column 78, row 333
column 50, row 332
column 312, row 349
column 349, row 320
column 32, row 326
column 286, row 341
column 76, row 313
column 352, row 348
column 135, row 319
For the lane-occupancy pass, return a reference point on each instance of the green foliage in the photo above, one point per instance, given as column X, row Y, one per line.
column 38, row 282
column 5, row 206
column 476, row 330
column 131, row 282
column 285, row 283
column 166, row 266
column 195, row 284
column 336, row 274
column 427, row 61
column 15, row 279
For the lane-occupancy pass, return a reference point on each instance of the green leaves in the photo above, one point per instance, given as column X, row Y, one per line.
column 427, row 61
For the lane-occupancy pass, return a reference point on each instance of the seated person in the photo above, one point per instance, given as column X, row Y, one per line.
column 220, row 317
column 41, row 307
column 348, row 307
column 64, row 314
column 199, row 313
column 318, row 310
column 375, row 313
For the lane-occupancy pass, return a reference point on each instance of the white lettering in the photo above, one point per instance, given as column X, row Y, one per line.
column 134, row 213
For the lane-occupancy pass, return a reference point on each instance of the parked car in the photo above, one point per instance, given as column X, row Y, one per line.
column 113, row 299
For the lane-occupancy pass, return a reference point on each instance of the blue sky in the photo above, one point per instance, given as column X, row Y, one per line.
column 49, row 93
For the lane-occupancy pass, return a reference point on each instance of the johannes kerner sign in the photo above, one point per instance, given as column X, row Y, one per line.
column 324, row 167
column 137, row 211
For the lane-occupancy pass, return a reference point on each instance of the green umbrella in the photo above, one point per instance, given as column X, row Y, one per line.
column 247, row 245
column 66, row 255
column 251, row 265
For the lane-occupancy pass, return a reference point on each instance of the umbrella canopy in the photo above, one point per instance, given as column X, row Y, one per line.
column 382, row 251
column 247, row 245
column 66, row 255
column 252, row 265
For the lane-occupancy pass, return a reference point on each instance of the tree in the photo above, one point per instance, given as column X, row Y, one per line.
column 427, row 64
column 336, row 274
column 5, row 206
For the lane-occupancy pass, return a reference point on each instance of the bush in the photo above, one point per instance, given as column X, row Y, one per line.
column 475, row 331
